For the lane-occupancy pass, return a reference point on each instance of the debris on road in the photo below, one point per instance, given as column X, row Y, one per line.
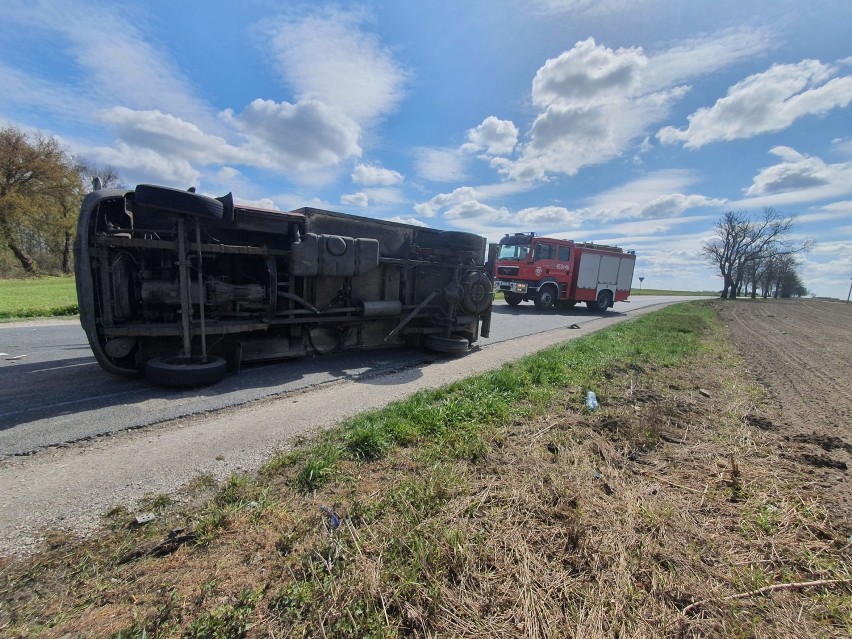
column 170, row 544
column 144, row 518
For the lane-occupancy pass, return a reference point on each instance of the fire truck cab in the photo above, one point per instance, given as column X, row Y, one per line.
column 552, row 272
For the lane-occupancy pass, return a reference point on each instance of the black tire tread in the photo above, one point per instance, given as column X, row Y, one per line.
column 185, row 372
column 449, row 345
column 177, row 201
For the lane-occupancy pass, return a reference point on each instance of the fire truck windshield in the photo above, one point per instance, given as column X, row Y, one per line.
column 517, row 252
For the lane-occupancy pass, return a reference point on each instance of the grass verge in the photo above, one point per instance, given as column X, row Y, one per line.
column 497, row 506
column 659, row 291
column 38, row 297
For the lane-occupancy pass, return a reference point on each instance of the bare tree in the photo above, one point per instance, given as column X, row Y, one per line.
column 107, row 176
column 740, row 243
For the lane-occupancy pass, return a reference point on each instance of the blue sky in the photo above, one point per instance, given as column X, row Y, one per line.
column 637, row 123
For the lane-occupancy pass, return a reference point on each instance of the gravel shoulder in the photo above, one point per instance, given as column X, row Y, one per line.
column 69, row 488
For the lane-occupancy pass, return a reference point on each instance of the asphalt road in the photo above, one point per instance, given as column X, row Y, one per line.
column 52, row 392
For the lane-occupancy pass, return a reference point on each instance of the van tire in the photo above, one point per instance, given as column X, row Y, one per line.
column 177, row 201
column 449, row 345
column 185, row 371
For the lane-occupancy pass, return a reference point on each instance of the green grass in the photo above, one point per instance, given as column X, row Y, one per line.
column 651, row 291
column 659, row 291
column 38, row 297
column 453, row 422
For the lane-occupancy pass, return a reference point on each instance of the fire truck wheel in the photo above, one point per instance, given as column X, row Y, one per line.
column 604, row 300
column 512, row 299
column 449, row 345
column 546, row 298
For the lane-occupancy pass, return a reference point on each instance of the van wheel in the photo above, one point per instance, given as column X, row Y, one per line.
column 460, row 240
column 177, row 201
column 546, row 298
column 185, row 371
column 449, row 345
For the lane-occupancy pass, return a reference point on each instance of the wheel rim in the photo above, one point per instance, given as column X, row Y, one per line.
column 546, row 297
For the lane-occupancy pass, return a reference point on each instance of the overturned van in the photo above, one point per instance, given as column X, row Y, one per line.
column 182, row 287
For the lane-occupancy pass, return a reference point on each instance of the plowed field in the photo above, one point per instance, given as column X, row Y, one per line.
column 802, row 352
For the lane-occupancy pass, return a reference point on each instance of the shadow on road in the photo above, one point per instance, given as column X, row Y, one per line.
column 48, row 390
column 580, row 313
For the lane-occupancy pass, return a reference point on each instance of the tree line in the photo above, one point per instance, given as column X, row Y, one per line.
column 752, row 253
column 41, row 188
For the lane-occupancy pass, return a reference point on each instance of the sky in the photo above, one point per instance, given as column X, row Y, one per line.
column 637, row 123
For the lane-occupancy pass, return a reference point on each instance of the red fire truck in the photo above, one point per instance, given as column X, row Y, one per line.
column 554, row 272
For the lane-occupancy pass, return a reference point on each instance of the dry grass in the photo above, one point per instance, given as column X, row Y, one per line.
column 647, row 518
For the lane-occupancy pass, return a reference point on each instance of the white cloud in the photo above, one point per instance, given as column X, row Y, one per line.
column 704, row 55
column 413, row 221
column 227, row 174
column 595, row 104
column 658, row 195
column 329, row 57
column 373, row 175
column 765, row 102
column 839, row 208
column 444, row 200
column 588, row 73
column 262, row 203
column 440, row 165
column 843, row 145
column 120, row 65
column 555, row 216
column 355, row 199
column 302, row 136
column 655, row 198
column 168, row 135
column 798, row 179
column 378, row 197
column 495, row 136
column 385, row 196
column 590, row 7
column 35, row 94
column 273, row 136
column 344, row 80
column 797, row 172
column 652, row 229
column 146, row 165
column 675, row 204
column 472, row 209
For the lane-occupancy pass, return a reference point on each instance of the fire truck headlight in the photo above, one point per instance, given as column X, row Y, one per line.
column 521, row 288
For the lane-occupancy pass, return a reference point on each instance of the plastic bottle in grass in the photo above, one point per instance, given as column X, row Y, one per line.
column 591, row 401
